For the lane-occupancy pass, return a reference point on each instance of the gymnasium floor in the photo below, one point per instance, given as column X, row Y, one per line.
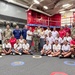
column 43, row 66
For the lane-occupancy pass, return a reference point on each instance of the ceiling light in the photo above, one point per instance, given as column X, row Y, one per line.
column 72, row 10
column 36, row 1
column 62, row 12
column 45, row 7
column 66, row 5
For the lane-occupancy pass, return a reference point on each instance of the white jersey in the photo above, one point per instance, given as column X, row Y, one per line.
column 50, row 39
column 21, row 41
column 59, row 40
column 28, row 36
column 56, row 47
column 26, row 46
column 6, row 45
column 54, row 33
column 18, row 46
column 66, row 47
column 47, row 47
column 68, row 39
column 47, row 32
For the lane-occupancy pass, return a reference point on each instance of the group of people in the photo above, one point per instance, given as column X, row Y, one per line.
column 48, row 42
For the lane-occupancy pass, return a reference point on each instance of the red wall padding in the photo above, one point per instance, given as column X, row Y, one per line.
column 41, row 19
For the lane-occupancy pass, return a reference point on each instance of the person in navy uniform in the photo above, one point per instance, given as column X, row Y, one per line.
column 24, row 32
column 17, row 32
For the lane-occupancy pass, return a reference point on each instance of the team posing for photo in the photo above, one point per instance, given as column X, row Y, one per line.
column 51, row 43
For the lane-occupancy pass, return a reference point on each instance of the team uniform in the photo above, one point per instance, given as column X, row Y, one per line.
column 54, row 33
column 17, row 33
column 18, row 48
column 56, row 50
column 59, row 39
column 66, row 50
column 29, row 37
column 24, row 33
column 62, row 33
column 46, row 49
column 50, row 39
column 47, row 32
column 6, row 48
column 12, row 41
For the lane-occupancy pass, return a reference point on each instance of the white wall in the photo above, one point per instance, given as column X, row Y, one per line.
column 65, row 19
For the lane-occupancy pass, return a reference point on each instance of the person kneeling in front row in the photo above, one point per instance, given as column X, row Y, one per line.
column 56, row 49
column 65, row 50
column 46, row 49
column 26, row 48
column 6, row 47
column 17, row 48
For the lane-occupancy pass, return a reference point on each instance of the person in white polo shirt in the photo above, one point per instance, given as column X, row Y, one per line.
column 26, row 48
column 29, row 36
column 54, row 32
column 68, row 38
column 50, row 38
column 66, row 49
column 47, row 31
column 56, row 49
column 46, row 49
column 18, row 48
column 6, row 47
column 59, row 39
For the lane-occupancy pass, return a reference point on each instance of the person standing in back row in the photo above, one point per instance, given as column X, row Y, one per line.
column 7, row 32
column 24, row 32
column 17, row 32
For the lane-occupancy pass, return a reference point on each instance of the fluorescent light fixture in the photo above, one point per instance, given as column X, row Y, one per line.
column 62, row 12
column 45, row 7
column 72, row 10
column 36, row 1
column 66, row 5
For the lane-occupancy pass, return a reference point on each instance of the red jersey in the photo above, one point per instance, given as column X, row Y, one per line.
column 62, row 33
column 67, row 30
column 12, row 41
column 72, row 42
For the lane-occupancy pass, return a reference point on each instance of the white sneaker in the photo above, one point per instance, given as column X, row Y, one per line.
column 20, row 53
column 50, row 55
column 13, row 53
column 3, row 54
column 72, row 56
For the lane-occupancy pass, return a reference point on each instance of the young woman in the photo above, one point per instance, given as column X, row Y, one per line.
column 66, row 49
column 21, row 40
column 12, row 40
column 68, row 38
column 56, row 49
column 46, row 49
column 6, row 47
column 18, row 48
column 26, row 48
column 42, row 38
